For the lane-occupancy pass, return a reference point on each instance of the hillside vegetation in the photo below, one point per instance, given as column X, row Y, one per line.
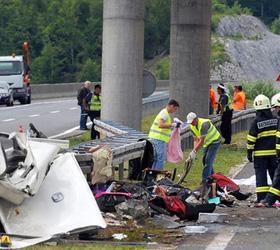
column 66, row 35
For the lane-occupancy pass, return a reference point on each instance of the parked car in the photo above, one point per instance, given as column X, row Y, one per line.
column 6, row 94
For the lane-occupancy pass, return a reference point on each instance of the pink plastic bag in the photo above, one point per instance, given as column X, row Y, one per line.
column 174, row 150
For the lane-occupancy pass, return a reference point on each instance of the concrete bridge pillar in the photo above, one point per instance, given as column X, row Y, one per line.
column 190, row 55
column 122, row 61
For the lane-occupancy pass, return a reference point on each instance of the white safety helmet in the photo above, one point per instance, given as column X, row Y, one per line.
column 275, row 100
column 261, row 102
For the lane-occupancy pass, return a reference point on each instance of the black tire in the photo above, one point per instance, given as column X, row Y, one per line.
column 28, row 101
column 23, row 101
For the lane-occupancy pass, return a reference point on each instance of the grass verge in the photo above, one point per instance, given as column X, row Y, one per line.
column 227, row 157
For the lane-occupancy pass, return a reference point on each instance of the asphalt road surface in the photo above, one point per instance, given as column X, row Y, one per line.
column 246, row 227
column 53, row 116
column 50, row 116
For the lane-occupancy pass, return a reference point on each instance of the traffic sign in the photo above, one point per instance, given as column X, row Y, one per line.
column 149, row 83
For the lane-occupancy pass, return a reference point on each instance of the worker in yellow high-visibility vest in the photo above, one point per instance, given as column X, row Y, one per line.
column 94, row 109
column 160, row 133
column 206, row 136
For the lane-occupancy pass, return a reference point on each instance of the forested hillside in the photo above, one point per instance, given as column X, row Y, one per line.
column 66, row 35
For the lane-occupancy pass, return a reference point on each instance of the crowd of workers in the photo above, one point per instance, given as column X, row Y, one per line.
column 263, row 146
column 205, row 134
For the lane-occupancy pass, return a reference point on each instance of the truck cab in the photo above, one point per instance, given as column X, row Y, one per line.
column 15, row 73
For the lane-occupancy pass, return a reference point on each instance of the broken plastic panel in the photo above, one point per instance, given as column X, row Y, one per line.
column 64, row 204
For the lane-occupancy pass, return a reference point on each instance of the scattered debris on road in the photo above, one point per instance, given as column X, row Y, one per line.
column 42, row 181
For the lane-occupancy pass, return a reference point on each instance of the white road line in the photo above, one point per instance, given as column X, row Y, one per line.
column 74, row 108
column 221, row 241
column 55, row 111
column 67, row 131
column 8, row 120
column 35, row 115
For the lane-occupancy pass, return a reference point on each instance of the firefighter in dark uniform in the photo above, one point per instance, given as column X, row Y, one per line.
column 261, row 144
column 274, row 190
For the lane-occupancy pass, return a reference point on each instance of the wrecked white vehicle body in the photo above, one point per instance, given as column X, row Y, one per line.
column 43, row 193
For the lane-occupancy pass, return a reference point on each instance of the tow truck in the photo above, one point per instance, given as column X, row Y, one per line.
column 15, row 71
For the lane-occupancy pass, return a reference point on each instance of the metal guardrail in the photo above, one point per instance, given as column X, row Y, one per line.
column 58, row 90
column 126, row 146
column 123, row 141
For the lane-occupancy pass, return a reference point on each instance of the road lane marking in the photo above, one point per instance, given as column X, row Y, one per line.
column 8, row 120
column 54, row 112
column 74, row 108
column 35, row 115
column 68, row 131
column 220, row 242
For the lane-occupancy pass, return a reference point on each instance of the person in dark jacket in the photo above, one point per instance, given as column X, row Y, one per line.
column 226, row 113
column 83, row 92
column 261, row 144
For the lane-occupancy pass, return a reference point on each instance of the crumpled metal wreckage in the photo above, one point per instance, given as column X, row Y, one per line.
column 43, row 192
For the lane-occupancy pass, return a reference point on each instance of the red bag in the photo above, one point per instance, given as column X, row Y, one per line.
column 224, row 182
column 173, row 203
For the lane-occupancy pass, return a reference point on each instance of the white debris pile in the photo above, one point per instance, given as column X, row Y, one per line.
column 44, row 192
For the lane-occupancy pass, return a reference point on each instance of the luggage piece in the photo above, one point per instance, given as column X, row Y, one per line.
column 108, row 200
column 151, row 176
column 224, row 182
column 136, row 166
column 182, row 209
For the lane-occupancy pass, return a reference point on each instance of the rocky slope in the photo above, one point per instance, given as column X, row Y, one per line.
column 254, row 51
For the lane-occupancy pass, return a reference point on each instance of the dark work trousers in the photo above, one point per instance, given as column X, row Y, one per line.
column 83, row 118
column 94, row 115
column 211, row 110
column 262, row 165
column 274, row 191
column 226, row 126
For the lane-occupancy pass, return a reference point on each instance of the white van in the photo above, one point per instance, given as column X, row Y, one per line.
column 12, row 71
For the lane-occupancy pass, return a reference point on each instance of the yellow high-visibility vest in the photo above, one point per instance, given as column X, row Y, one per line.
column 95, row 103
column 212, row 134
column 162, row 134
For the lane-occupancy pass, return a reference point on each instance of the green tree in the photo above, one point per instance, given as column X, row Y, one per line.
column 275, row 26
column 90, row 71
column 157, row 27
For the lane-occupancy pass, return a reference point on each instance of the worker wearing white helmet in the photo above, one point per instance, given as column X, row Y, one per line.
column 206, row 136
column 275, row 102
column 261, row 144
column 274, row 190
